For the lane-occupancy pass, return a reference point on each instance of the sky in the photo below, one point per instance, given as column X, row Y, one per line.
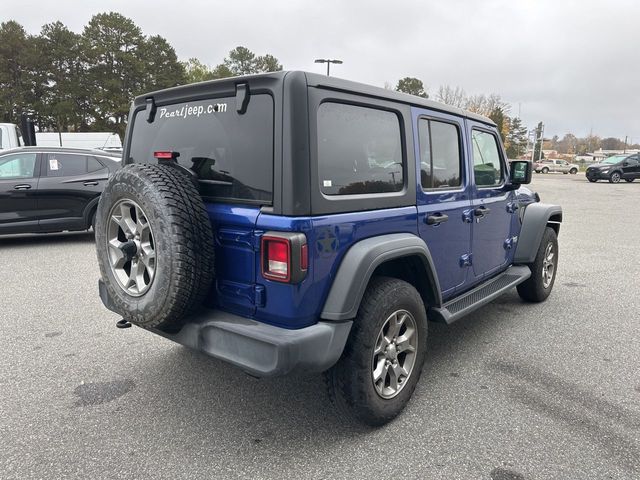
column 574, row 65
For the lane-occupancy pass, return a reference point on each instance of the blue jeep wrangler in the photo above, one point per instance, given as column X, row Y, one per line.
column 293, row 221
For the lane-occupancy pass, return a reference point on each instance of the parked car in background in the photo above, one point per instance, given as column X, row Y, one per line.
column 51, row 189
column 546, row 166
column 615, row 168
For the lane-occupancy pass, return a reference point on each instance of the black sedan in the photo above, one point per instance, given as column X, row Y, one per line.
column 615, row 168
column 52, row 189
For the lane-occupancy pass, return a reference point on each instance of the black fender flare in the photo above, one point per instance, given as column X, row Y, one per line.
column 537, row 216
column 359, row 263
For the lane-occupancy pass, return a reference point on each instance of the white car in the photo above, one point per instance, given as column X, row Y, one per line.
column 546, row 166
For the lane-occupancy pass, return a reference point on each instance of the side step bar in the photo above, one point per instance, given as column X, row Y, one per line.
column 481, row 295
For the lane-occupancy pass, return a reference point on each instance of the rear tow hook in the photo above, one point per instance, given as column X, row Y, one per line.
column 123, row 323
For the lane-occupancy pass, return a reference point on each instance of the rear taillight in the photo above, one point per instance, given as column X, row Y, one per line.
column 278, row 258
column 284, row 256
column 166, row 155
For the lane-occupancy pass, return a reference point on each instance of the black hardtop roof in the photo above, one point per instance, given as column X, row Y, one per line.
column 87, row 151
column 323, row 81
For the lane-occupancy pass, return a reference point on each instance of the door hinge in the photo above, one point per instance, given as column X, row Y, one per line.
column 512, row 207
column 466, row 260
column 510, row 242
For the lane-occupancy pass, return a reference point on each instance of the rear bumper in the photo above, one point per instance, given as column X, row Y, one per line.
column 260, row 349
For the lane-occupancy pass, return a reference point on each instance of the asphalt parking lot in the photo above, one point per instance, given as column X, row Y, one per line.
column 515, row 391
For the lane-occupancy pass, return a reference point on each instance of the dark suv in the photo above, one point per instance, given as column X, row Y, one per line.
column 292, row 221
column 615, row 168
column 51, row 189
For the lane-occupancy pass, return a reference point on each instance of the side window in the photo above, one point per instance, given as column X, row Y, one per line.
column 633, row 160
column 20, row 165
column 66, row 165
column 440, row 161
column 93, row 165
column 487, row 166
column 359, row 150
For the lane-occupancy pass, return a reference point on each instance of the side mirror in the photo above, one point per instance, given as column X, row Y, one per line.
column 520, row 172
column 625, row 164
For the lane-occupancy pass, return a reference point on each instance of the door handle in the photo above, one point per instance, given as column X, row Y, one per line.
column 23, row 186
column 436, row 219
column 481, row 211
column 90, row 184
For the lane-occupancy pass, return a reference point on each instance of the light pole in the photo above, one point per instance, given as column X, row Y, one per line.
column 328, row 61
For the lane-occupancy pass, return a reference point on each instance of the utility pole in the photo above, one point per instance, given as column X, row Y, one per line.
column 541, row 142
column 328, row 61
column 625, row 144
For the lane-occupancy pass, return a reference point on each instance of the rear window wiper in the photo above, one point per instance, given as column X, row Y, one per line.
column 216, row 182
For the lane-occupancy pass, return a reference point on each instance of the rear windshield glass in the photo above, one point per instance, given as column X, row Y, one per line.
column 231, row 154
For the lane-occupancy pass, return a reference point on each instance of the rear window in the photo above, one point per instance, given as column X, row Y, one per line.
column 231, row 154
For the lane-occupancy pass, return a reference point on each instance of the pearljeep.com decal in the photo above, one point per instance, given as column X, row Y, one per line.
column 186, row 111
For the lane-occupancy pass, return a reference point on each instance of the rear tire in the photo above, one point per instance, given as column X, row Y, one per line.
column 545, row 170
column 539, row 285
column 154, row 244
column 368, row 355
column 573, row 171
column 593, row 180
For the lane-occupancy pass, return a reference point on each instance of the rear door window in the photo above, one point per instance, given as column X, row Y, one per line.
column 66, row 165
column 359, row 150
column 230, row 154
column 440, row 159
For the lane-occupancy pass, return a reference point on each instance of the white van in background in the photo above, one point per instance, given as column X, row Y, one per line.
column 10, row 137
column 101, row 140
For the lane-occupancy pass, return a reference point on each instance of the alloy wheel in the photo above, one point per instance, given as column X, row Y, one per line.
column 394, row 354
column 548, row 266
column 131, row 247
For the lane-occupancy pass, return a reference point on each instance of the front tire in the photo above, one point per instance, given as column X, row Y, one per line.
column 543, row 269
column 545, row 170
column 382, row 361
column 573, row 171
column 615, row 177
column 593, row 180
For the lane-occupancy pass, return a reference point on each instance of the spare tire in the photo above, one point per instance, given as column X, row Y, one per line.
column 155, row 245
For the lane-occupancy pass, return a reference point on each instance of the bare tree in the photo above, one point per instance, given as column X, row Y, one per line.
column 454, row 96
